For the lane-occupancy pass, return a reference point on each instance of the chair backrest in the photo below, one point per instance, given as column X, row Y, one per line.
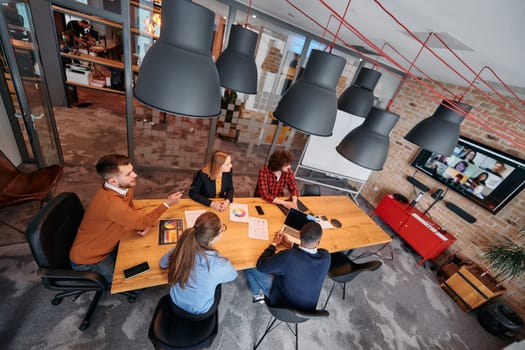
column 311, row 190
column 290, row 315
column 52, row 231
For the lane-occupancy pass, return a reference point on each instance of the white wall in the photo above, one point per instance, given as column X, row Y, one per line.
column 7, row 139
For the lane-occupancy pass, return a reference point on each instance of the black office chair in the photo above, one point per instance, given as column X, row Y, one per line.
column 311, row 190
column 50, row 236
column 174, row 328
column 289, row 316
column 343, row 270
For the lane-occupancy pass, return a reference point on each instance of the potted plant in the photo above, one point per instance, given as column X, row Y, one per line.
column 507, row 257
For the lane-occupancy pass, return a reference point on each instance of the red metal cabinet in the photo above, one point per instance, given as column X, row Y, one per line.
column 416, row 229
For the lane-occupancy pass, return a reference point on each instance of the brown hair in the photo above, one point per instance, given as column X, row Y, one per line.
column 107, row 166
column 194, row 240
column 278, row 159
column 311, row 233
column 214, row 165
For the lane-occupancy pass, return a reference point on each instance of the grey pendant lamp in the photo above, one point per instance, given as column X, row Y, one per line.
column 236, row 64
column 310, row 104
column 367, row 145
column 178, row 74
column 358, row 98
column 440, row 132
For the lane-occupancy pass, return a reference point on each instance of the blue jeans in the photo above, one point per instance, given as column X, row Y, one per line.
column 104, row 267
column 259, row 281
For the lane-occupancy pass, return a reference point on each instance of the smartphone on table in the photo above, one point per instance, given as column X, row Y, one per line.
column 136, row 270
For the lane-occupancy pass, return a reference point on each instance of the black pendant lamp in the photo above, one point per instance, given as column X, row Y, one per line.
column 236, row 64
column 310, row 104
column 440, row 132
column 358, row 99
column 178, row 74
column 367, row 145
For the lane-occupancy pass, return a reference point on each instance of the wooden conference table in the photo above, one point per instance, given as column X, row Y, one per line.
column 358, row 230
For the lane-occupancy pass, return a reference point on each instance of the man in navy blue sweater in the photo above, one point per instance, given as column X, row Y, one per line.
column 299, row 271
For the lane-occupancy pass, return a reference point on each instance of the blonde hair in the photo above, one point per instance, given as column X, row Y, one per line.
column 213, row 168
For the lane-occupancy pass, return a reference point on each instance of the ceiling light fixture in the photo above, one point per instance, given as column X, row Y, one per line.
column 178, row 75
column 236, row 64
column 310, row 104
column 440, row 132
column 368, row 144
column 358, row 98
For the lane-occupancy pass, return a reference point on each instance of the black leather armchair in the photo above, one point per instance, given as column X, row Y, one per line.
column 50, row 236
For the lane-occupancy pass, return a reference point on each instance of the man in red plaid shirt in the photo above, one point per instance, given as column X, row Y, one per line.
column 274, row 177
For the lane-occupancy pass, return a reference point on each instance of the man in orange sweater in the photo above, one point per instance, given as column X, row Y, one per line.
column 110, row 216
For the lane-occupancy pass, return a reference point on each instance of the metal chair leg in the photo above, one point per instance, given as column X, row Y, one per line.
column 329, row 295
column 296, row 336
column 344, row 290
column 268, row 330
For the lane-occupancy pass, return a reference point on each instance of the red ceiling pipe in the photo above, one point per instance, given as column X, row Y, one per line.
column 416, row 67
column 477, row 76
column 248, row 14
column 490, row 86
column 340, row 25
column 436, row 55
column 371, row 44
column 400, row 85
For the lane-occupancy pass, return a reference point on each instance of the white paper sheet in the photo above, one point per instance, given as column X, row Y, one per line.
column 258, row 228
column 192, row 215
column 239, row 212
column 325, row 224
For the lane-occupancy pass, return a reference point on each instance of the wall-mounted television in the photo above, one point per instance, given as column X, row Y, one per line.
column 486, row 176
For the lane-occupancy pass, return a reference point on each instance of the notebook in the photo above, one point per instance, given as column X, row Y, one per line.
column 294, row 222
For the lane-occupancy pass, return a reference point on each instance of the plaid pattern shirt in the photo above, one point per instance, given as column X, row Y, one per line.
column 268, row 187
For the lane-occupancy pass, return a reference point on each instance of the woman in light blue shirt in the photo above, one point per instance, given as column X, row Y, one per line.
column 195, row 268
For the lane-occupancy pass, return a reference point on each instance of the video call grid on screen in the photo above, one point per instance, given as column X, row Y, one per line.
column 487, row 176
column 465, row 166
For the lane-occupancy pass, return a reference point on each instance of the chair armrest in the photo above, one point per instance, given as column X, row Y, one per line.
column 66, row 274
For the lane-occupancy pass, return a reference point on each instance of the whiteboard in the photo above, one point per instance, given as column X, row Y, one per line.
column 320, row 153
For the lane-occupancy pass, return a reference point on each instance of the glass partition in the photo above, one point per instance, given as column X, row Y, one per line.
column 386, row 86
column 161, row 139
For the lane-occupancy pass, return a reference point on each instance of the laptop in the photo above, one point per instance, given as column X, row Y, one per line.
column 294, row 222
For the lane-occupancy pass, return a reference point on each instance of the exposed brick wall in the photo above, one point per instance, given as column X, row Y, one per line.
column 413, row 106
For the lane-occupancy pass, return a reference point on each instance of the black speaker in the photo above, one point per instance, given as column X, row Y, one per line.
column 418, row 184
column 400, row 197
column 117, row 79
column 460, row 212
